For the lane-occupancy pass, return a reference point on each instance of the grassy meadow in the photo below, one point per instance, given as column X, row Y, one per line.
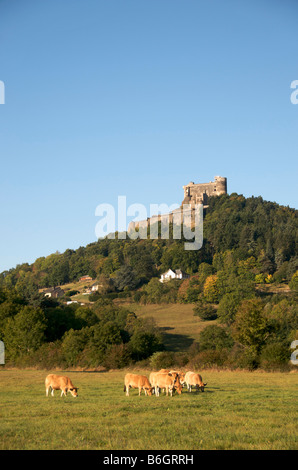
column 177, row 322
column 238, row 410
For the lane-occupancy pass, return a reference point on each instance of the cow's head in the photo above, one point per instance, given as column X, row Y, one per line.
column 182, row 378
column 177, row 385
column 202, row 387
column 149, row 390
column 74, row 391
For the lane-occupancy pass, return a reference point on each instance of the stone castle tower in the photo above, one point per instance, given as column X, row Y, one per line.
column 200, row 193
column 193, row 194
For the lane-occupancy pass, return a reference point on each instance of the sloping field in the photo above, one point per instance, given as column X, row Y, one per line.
column 177, row 322
column 238, row 410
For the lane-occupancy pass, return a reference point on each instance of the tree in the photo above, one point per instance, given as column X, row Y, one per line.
column 294, row 282
column 24, row 333
column 216, row 338
column 143, row 345
column 206, row 312
column 275, row 355
column 250, row 327
column 227, row 307
column 125, row 278
column 211, row 289
column 8, row 310
column 154, row 290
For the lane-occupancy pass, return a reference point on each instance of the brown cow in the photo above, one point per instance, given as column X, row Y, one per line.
column 60, row 382
column 178, row 374
column 166, row 381
column 137, row 381
column 193, row 379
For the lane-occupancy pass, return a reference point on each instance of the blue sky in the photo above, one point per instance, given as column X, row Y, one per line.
column 137, row 98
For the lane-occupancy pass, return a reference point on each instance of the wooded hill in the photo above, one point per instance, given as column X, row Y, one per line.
column 249, row 227
column 249, row 244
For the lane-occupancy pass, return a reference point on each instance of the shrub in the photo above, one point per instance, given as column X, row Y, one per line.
column 241, row 357
column 216, row 338
column 205, row 311
column 94, row 297
column 137, row 296
column 275, row 356
column 162, row 360
column 49, row 355
column 117, row 356
column 294, row 282
column 143, row 345
column 208, row 359
column 70, row 293
column 260, row 278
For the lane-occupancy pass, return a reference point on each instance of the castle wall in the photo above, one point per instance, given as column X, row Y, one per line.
column 193, row 194
column 199, row 193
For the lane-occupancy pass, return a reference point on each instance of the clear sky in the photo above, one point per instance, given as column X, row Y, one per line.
column 138, row 97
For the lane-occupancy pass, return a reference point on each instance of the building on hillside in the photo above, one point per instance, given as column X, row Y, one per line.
column 170, row 274
column 53, row 292
column 195, row 194
column 86, row 278
column 201, row 192
column 95, row 286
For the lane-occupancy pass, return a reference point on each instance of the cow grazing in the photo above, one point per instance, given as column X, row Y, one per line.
column 166, row 381
column 60, row 382
column 195, row 380
column 173, row 373
column 178, row 374
column 137, row 381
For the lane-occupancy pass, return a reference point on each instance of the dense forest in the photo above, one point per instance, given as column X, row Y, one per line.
column 249, row 243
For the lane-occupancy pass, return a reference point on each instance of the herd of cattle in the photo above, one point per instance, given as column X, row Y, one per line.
column 168, row 380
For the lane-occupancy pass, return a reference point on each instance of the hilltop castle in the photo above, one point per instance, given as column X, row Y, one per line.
column 193, row 194
column 201, row 192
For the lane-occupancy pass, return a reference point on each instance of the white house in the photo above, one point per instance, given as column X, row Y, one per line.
column 170, row 274
column 95, row 287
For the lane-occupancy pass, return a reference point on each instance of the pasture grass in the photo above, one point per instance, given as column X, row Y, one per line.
column 177, row 322
column 238, row 410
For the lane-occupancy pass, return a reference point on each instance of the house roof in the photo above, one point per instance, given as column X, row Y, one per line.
column 177, row 271
column 168, row 271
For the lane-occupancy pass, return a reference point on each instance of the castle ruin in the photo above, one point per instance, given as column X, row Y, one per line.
column 201, row 192
column 194, row 194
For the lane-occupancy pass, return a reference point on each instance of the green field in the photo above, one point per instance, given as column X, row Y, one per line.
column 238, row 410
column 177, row 322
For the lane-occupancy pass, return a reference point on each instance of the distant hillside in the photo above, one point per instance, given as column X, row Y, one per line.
column 250, row 227
column 236, row 308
